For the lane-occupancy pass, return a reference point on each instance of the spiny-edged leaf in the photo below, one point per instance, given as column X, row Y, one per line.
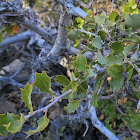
column 62, row 80
column 26, row 96
column 100, row 58
column 94, row 100
column 129, row 74
column 72, row 106
column 102, row 34
column 43, row 81
column 117, row 82
column 72, row 35
column 117, row 48
column 132, row 21
column 15, row 122
column 3, row 123
column 111, row 59
column 96, row 42
column 1, row 37
column 42, row 124
column 100, row 18
column 127, row 49
column 81, row 63
column 114, row 16
column 115, row 70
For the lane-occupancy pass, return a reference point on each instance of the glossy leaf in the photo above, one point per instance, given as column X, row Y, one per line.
column 72, row 106
column 62, row 80
column 26, row 96
column 43, row 81
column 42, row 124
column 96, row 42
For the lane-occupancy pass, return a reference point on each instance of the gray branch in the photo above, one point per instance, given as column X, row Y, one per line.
column 45, row 35
column 17, row 38
column 97, row 123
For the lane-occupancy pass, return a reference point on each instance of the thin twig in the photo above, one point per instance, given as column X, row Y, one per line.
column 44, row 109
column 123, row 114
column 82, row 30
column 133, row 65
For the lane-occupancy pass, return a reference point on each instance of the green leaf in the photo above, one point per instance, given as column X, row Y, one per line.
column 97, row 86
column 100, row 18
column 3, row 123
column 127, row 49
column 73, row 86
column 130, row 7
column 82, row 88
column 132, row 21
column 96, row 42
column 117, row 48
column 1, row 37
column 94, row 100
column 72, row 35
column 62, row 80
column 114, row 16
column 72, row 106
column 100, row 58
column 42, row 124
column 26, row 97
column 10, row 123
column 129, row 74
column 102, row 34
column 117, row 82
column 9, row 30
column 15, row 122
column 81, row 63
column 43, row 81
column 111, row 59
column 115, row 70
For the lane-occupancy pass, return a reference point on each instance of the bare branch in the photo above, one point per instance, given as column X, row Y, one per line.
column 100, row 126
column 14, row 39
column 44, row 109
column 45, row 35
